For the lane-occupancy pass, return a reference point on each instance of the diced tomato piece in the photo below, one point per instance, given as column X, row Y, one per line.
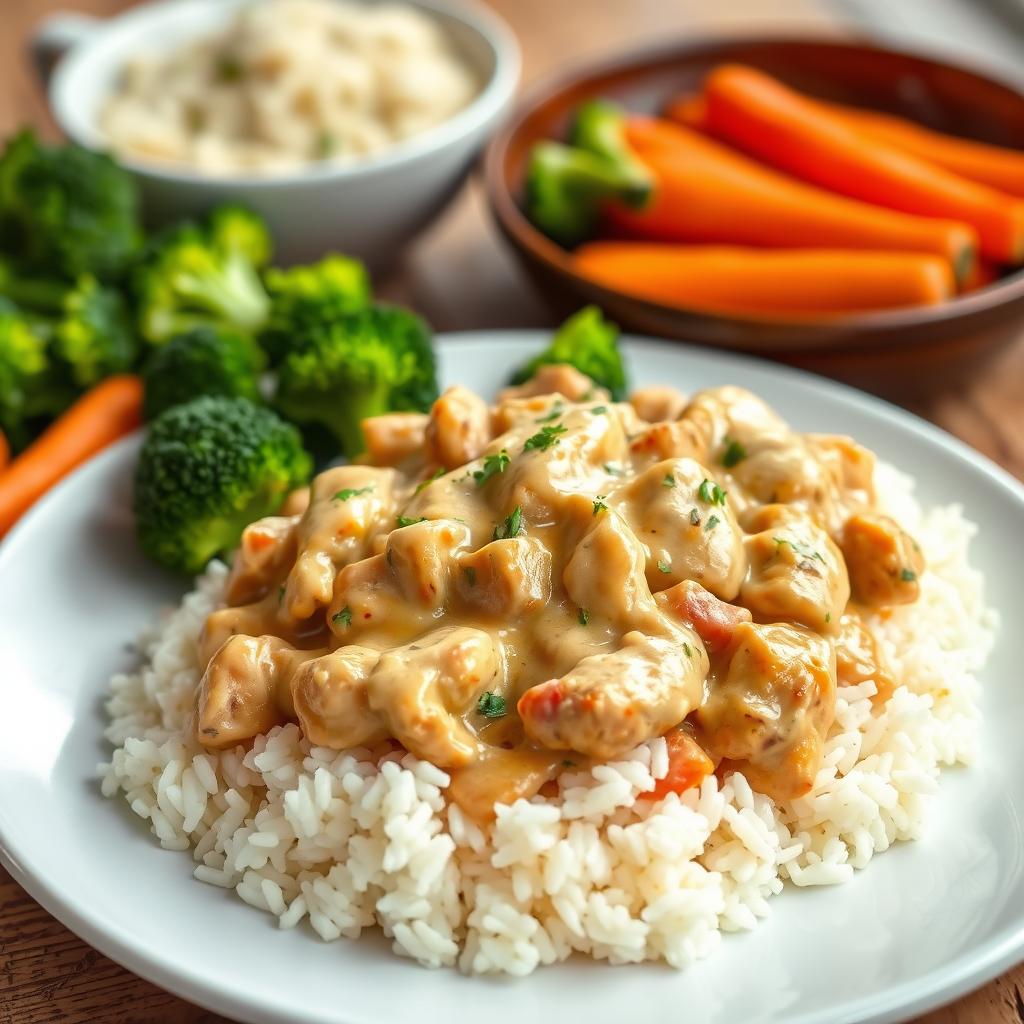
column 688, row 765
column 714, row 621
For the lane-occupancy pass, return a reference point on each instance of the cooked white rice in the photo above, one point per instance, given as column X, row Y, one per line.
column 310, row 833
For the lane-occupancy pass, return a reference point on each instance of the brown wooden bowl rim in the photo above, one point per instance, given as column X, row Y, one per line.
column 524, row 236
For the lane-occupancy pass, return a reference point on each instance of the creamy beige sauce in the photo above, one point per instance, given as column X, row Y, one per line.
column 516, row 588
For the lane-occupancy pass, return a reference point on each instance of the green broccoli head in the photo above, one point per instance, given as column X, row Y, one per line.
column 567, row 186
column 206, row 470
column 31, row 389
column 371, row 362
column 590, row 343
column 67, row 211
column 204, row 361
column 302, row 297
column 195, row 274
column 94, row 336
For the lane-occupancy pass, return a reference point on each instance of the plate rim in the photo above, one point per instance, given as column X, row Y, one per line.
column 963, row 973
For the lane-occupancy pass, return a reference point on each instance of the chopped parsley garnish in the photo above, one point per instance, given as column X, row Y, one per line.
column 326, row 144
column 493, row 465
column 543, row 440
column 436, row 475
column 280, row 594
column 800, row 548
column 663, row 566
column 470, row 572
column 612, row 470
column 551, row 416
column 734, row 453
column 408, row 521
column 694, row 516
column 352, row 492
column 512, row 526
column 343, row 618
column 583, row 617
column 712, row 522
column 229, row 68
column 687, row 649
column 599, row 410
column 828, row 616
column 668, row 480
column 599, row 504
column 908, row 575
column 491, row 705
column 710, row 492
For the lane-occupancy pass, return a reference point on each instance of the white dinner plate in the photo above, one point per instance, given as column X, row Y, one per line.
column 925, row 922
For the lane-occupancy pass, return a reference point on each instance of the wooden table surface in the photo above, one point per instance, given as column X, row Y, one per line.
column 459, row 276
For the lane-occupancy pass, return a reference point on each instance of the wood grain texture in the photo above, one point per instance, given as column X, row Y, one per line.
column 460, row 277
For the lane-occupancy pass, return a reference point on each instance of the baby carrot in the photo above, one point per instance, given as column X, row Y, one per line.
column 110, row 410
column 730, row 279
column 707, row 192
column 752, row 110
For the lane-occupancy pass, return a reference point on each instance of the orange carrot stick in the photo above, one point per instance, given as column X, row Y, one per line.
column 688, row 109
column 728, row 279
column 706, row 192
column 110, row 410
column 758, row 114
column 984, row 273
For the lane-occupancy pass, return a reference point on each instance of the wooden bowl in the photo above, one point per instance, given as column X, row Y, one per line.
column 896, row 352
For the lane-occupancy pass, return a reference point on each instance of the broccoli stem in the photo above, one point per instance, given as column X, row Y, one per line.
column 600, row 128
column 237, row 294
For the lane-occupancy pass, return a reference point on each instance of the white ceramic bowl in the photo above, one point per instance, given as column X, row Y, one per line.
column 369, row 209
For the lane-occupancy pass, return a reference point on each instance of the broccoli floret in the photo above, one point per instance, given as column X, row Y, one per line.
column 203, row 361
column 31, row 391
column 196, row 274
column 590, row 343
column 566, row 186
column 67, row 211
column 94, row 336
column 206, row 470
column 371, row 362
column 302, row 297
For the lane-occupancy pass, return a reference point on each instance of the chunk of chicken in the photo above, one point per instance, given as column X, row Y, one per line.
column 884, row 562
column 458, row 428
column 771, row 710
column 332, row 701
column 394, row 437
column 714, row 621
column 610, row 702
column 506, row 578
column 687, row 527
column 555, row 379
column 347, row 505
column 421, row 690
column 851, row 468
column 422, row 557
column 502, row 777
column 265, row 554
column 658, row 403
column 244, row 690
column 796, row 572
column 859, row 659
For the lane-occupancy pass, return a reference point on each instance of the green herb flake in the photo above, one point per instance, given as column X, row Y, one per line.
column 599, row 410
column 802, row 549
column 668, row 480
column 583, row 617
column 568, row 764
column 280, row 595
column 326, row 144
column 599, row 504
column 612, row 470
column 663, row 566
column 436, row 475
column 543, row 440
column 408, row 521
column 343, row 618
column 908, row 576
column 493, row 465
column 734, row 453
column 712, row 522
column 512, row 526
column 551, row 416
column 470, row 572
column 352, row 492
column 694, row 517
column 710, row 492
column 229, row 68
column 828, row 616
column 687, row 649
column 491, row 705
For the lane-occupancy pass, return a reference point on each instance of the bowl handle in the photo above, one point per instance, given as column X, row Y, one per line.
column 55, row 36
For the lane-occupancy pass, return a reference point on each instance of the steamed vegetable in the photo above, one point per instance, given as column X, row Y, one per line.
column 103, row 415
column 204, row 361
column 303, row 297
column 66, row 211
column 767, row 281
column 590, row 343
column 760, row 115
column 707, row 193
column 367, row 363
column 240, row 460
column 195, row 274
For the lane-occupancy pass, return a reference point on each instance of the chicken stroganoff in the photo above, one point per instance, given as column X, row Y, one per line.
column 509, row 591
